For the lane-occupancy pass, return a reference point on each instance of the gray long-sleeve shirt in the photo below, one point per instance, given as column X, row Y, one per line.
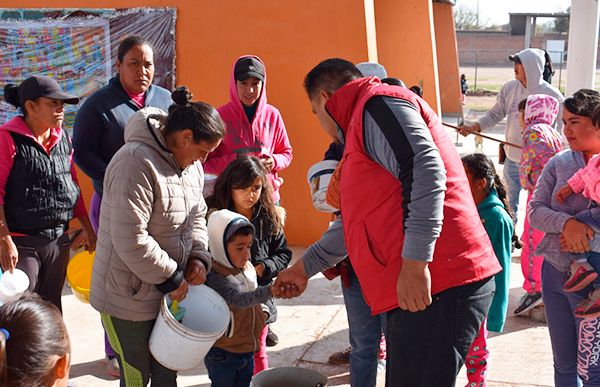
column 233, row 296
column 398, row 139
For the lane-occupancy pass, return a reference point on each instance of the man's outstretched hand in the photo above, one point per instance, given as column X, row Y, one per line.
column 290, row 282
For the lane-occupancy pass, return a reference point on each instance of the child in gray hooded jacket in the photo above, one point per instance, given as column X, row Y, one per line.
column 231, row 360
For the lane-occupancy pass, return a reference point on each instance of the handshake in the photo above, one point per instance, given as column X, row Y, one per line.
column 290, row 282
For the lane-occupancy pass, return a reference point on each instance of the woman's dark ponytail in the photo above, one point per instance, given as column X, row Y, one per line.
column 181, row 96
column 201, row 118
column 11, row 95
column 503, row 195
column 481, row 167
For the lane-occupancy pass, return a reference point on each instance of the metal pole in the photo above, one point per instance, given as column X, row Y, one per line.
column 476, row 65
column 562, row 56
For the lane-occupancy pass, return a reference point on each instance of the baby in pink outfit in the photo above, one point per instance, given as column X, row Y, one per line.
column 586, row 266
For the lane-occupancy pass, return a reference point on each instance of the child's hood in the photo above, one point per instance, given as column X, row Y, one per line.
column 541, row 109
column 221, row 225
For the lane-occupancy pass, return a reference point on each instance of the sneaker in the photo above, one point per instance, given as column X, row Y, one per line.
column 582, row 274
column 112, row 367
column 341, row 357
column 589, row 308
column 272, row 338
column 528, row 302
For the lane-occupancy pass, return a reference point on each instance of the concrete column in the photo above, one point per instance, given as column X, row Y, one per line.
column 447, row 55
column 528, row 31
column 406, row 44
column 583, row 45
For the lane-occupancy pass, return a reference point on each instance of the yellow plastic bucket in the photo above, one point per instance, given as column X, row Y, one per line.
column 79, row 275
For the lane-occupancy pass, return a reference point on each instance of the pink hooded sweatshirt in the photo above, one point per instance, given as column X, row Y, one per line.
column 540, row 140
column 265, row 135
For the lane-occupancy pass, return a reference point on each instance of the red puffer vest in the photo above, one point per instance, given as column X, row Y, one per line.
column 371, row 204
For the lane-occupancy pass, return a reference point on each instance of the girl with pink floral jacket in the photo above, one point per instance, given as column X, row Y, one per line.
column 541, row 141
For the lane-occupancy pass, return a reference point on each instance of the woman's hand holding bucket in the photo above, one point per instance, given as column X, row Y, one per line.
column 179, row 293
column 195, row 272
column 9, row 255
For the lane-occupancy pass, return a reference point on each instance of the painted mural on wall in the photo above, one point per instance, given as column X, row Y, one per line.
column 80, row 53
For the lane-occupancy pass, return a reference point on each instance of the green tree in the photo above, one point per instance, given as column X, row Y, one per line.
column 561, row 24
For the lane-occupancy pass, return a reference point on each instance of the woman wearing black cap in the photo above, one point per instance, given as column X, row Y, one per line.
column 254, row 127
column 39, row 193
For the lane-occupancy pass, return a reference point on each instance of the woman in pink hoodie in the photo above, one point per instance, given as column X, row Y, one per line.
column 541, row 141
column 253, row 127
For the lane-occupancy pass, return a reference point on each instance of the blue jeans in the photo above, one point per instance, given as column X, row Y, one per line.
column 365, row 334
column 429, row 347
column 575, row 342
column 513, row 184
column 228, row 369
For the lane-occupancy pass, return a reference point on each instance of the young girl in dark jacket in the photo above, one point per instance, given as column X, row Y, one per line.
column 243, row 187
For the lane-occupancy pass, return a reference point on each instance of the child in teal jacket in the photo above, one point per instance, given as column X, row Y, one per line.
column 490, row 197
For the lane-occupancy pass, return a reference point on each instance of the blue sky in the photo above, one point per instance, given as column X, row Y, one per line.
column 496, row 11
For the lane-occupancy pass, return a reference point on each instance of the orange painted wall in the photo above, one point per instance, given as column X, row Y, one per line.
column 406, row 44
column 447, row 55
column 291, row 37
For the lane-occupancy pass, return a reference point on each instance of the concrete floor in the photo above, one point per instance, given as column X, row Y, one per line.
column 313, row 326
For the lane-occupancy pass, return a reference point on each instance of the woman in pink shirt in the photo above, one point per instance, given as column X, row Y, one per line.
column 39, row 193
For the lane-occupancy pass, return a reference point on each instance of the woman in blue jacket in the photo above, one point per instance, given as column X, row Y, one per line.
column 100, row 123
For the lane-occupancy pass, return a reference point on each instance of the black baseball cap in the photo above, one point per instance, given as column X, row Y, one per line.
column 247, row 67
column 42, row 86
column 515, row 58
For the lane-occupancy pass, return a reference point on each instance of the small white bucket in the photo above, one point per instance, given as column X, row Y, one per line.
column 12, row 285
column 318, row 177
column 181, row 346
column 289, row 377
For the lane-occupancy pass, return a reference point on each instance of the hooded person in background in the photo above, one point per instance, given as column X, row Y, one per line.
column 253, row 127
column 529, row 66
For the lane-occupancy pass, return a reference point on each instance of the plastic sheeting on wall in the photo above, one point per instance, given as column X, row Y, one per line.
column 80, row 53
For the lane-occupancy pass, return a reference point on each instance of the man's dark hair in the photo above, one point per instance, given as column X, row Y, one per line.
column 330, row 75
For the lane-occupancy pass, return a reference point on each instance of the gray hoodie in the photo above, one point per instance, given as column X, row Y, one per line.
column 152, row 220
column 513, row 92
column 238, row 287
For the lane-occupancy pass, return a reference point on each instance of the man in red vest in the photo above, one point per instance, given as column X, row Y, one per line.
column 412, row 231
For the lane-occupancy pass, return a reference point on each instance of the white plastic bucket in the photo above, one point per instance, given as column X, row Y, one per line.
column 12, row 285
column 209, row 184
column 181, row 346
column 318, row 179
column 289, row 377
